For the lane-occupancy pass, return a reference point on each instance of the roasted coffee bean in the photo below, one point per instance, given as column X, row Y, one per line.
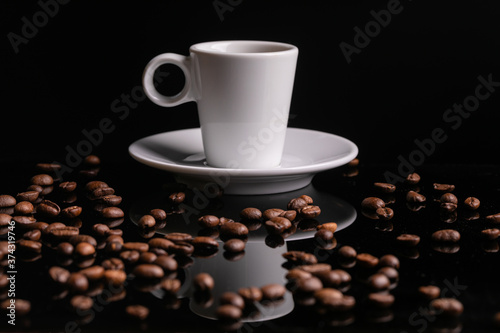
column 205, row 243
column 385, row 187
column 22, row 306
column 414, row 197
column 408, row 239
column 166, row 262
column 83, row 238
column 171, row 286
column 251, row 213
column 71, row 212
column 100, row 229
column 93, row 273
column 137, row 311
column 146, row 221
column 490, row 234
column 472, row 203
column 178, row 237
column 23, row 208
column 389, row 260
column 113, row 264
column 95, row 184
column 148, row 271
column 30, row 196
column 92, row 160
column 446, row 235
column 59, row 275
column 158, row 214
column 130, row 256
column 114, row 277
column 309, row 212
column 234, row 230
column 68, row 186
column 268, row 214
column 42, row 180
column 308, row 285
column 234, row 245
column 161, row 243
column 347, row 252
column 81, row 303
column 232, row 298
column 250, row 294
column 296, row 204
column 329, row 278
column 277, row 225
column 65, row 249
column 495, row 218
column 413, row 178
column 147, row 257
column 36, row 188
column 272, row 291
column 449, row 197
column 77, row 282
column 101, row 192
column 112, row 213
column 300, row 257
column 378, row 281
column 33, row 235
column 208, row 221
column 84, row 249
column 24, row 221
column 48, row 167
column 5, row 219
column 177, row 197
column 307, row 199
column 326, row 296
column 443, row 187
column 203, row 282
column 447, row 307
column 7, row 201
column 429, row 292
column 296, row 274
column 323, row 236
column 63, row 233
column 391, row 273
column 111, row 200
column 448, row 207
column 48, row 208
column 228, row 312
column 316, row 268
column 384, row 213
column 331, row 301
column 182, row 248
column 372, row 203
column 367, row 260
column 29, row 246
column 381, row 300
column 332, row 226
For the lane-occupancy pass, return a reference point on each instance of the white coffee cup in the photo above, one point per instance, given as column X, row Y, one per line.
column 243, row 91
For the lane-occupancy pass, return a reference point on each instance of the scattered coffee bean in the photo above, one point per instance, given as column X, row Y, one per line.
column 78, row 282
column 130, row 256
column 5, row 219
column 372, row 203
column 277, row 225
column 449, row 197
column 112, row 213
column 234, row 230
column 332, row 226
column 308, row 285
column 115, row 277
column 208, row 221
column 472, row 203
column 389, row 260
column 448, row 206
column 65, row 249
column 384, row 213
column 323, row 236
column 429, row 292
column 443, row 187
column 316, row 268
column 42, row 180
column 415, row 197
column 63, row 233
column 391, row 273
column 158, row 214
column 447, row 306
column 23, row 208
column 30, row 196
column 273, row 291
column 300, row 257
column 413, row 178
column 171, row 286
column 29, row 246
column 490, row 234
column 234, row 245
column 381, row 300
column 59, row 275
column 271, row 213
column 81, row 303
column 71, row 212
column 203, row 282
column 93, row 273
column 367, row 260
column 177, row 197
column 83, row 238
column 166, row 262
column 48, row 208
column 495, row 218
column 232, row 298
column 22, row 306
column 84, row 249
column 137, row 311
column 101, row 192
column 347, row 252
column 296, row 204
column 228, row 312
column 148, row 271
column 205, row 243
column 92, row 160
column 309, row 212
column 178, row 237
column 7, row 201
column 136, row 246
column 385, row 187
column 446, row 235
column 146, row 221
column 251, row 213
column 111, row 200
column 378, row 281
column 408, row 239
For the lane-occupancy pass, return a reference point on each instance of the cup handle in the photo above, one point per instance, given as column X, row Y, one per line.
column 184, row 63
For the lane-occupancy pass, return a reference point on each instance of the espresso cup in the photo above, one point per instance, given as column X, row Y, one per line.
column 243, row 91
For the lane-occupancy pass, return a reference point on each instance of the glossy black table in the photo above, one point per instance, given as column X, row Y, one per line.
column 468, row 272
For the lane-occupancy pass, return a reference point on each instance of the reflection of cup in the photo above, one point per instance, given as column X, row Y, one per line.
column 243, row 90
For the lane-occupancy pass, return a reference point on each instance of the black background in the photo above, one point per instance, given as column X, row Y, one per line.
column 65, row 78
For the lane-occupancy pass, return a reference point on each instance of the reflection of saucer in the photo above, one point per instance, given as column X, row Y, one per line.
column 333, row 209
column 306, row 153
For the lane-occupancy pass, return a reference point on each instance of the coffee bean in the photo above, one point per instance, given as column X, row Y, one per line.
column 65, row 249
column 327, row 296
column 113, row 264
column 171, row 286
column 29, row 246
column 112, row 212
column 449, row 197
column 81, row 303
column 148, row 271
column 166, row 262
column 101, row 192
column 48, row 167
column 251, row 213
column 234, row 245
column 71, row 212
column 203, row 282
column 308, row 285
column 178, row 237
column 5, row 219
column 228, row 312
column 446, row 235
column 33, row 235
column 23, row 221
column 84, row 249
column 42, row 180
column 472, row 203
column 100, row 229
column 309, row 212
column 205, row 243
column 7, row 201
column 93, row 273
column 384, row 213
column 415, row 197
column 63, row 233
column 30, row 196
column 413, row 178
column 111, row 200
column 367, row 260
column 389, row 260
column 408, row 239
column 296, row 274
column 381, row 300
column 23, row 208
column 429, row 292
column 182, row 248
column 95, row 184
column 268, row 214
column 48, row 208
column 146, row 221
column 372, row 203
column 92, row 160
column 75, row 240
column 495, row 218
column 347, row 252
column 391, row 273
column 273, row 291
column 177, row 197
column 332, row 226
column 234, row 230
column 448, row 207
column 158, row 214
column 323, row 236
column 22, row 306
column 316, row 268
column 443, row 187
column 300, row 257
column 277, row 225
column 378, row 281
column 161, row 243
column 296, row 204
column 137, row 311
column 250, row 294
column 332, row 278
column 490, row 234
column 208, row 221
column 385, row 187
column 78, row 282
column 447, row 306
column 59, row 275
column 114, row 277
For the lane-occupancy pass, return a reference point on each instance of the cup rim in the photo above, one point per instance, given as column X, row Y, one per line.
column 207, row 48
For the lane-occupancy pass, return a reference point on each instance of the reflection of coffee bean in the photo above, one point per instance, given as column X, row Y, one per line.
column 228, row 312
column 234, row 245
column 381, row 300
column 137, row 311
column 232, row 298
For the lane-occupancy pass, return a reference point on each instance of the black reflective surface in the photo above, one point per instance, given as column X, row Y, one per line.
column 466, row 272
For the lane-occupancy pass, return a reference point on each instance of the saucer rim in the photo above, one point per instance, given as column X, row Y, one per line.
column 167, row 165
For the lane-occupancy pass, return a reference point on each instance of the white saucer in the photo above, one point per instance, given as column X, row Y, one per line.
column 306, row 153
